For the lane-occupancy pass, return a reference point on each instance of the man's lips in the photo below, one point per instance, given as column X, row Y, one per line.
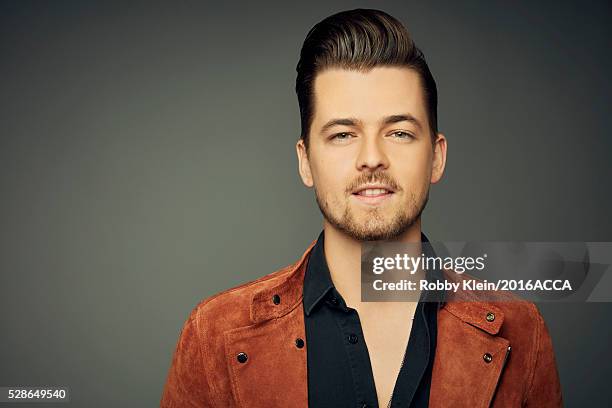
column 373, row 189
column 373, row 195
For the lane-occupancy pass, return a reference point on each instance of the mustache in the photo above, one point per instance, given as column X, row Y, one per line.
column 374, row 177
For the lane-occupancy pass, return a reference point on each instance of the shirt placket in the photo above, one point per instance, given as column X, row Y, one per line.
column 357, row 352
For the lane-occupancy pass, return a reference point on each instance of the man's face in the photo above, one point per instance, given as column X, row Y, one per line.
column 371, row 158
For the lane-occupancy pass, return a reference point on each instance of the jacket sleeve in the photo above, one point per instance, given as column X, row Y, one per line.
column 186, row 384
column 545, row 388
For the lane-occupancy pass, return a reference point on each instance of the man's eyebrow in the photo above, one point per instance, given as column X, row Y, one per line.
column 406, row 117
column 340, row 121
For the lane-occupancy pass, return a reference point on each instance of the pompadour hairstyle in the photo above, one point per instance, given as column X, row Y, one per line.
column 359, row 39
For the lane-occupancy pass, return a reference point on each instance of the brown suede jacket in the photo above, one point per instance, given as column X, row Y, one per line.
column 238, row 349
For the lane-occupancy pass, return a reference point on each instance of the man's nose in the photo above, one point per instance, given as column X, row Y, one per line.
column 371, row 154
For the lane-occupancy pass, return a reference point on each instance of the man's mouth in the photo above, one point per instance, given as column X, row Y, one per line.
column 373, row 194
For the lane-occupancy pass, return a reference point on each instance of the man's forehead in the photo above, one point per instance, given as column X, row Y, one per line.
column 371, row 94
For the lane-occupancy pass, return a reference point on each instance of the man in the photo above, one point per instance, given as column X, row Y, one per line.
column 301, row 336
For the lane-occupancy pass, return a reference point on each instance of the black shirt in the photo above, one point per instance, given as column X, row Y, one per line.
column 339, row 370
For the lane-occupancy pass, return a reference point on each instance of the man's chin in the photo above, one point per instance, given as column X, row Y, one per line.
column 367, row 232
column 365, row 223
column 375, row 235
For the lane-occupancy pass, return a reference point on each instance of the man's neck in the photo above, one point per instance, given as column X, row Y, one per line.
column 343, row 257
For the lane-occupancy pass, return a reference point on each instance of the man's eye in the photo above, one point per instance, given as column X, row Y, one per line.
column 342, row 136
column 402, row 135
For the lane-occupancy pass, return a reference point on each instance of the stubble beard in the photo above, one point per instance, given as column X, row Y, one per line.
column 375, row 228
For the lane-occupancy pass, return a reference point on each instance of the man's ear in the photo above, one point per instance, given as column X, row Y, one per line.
column 439, row 158
column 303, row 163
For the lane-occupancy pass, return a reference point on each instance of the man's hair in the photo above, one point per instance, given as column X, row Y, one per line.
column 359, row 39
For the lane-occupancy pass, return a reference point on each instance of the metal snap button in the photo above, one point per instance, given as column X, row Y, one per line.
column 242, row 357
column 490, row 317
column 276, row 299
column 487, row 357
column 299, row 343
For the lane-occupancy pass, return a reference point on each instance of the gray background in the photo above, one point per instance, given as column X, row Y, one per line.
column 147, row 162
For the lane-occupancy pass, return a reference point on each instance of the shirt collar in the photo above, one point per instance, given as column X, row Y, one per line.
column 317, row 280
column 437, row 296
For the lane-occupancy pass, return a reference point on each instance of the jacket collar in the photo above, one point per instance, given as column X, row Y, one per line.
column 286, row 293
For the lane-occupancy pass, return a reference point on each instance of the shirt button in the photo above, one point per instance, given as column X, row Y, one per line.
column 490, row 317
column 276, row 299
column 364, row 405
column 334, row 301
column 352, row 338
column 299, row 343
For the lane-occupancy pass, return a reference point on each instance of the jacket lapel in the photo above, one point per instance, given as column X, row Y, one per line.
column 274, row 373
column 469, row 356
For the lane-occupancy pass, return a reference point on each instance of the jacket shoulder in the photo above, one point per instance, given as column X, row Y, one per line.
column 200, row 351
column 231, row 307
